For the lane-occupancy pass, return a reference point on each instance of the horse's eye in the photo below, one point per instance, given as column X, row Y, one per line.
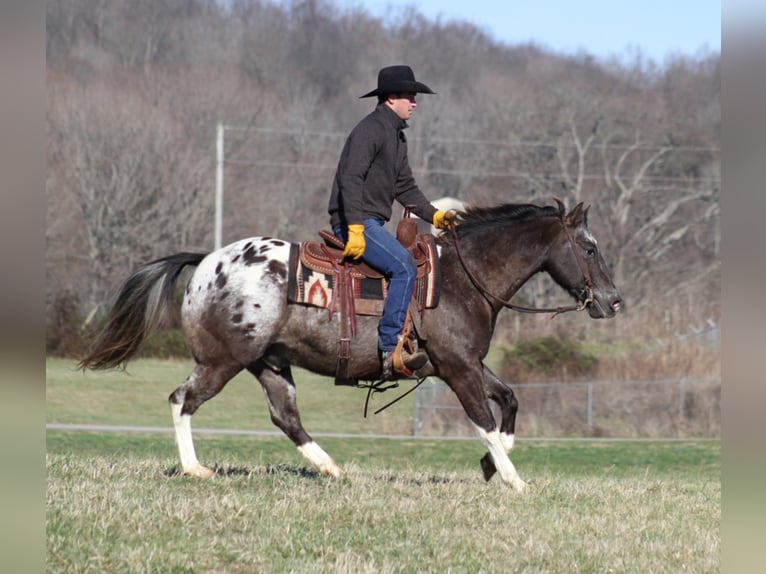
column 590, row 251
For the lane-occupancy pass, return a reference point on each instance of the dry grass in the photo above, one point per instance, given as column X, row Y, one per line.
column 119, row 514
column 639, row 348
column 678, row 360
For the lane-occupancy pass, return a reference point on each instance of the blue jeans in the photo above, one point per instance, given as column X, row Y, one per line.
column 384, row 252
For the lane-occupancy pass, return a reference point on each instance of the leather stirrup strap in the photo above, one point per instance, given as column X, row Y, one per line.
column 348, row 293
column 344, row 298
column 344, row 351
column 396, row 359
column 416, row 316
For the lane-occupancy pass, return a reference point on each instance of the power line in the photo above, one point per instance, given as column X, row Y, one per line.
column 472, row 173
column 465, row 141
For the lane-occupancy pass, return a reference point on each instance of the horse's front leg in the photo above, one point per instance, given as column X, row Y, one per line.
column 470, row 391
column 503, row 395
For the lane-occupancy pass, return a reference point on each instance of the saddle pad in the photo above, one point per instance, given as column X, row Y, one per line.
column 308, row 286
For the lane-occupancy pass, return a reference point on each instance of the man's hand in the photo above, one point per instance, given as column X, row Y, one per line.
column 355, row 244
column 444, row 219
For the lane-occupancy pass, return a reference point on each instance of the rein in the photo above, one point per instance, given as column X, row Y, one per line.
column 484, row 291
column 380, row 387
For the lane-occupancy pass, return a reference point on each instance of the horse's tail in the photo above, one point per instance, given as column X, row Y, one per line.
column 140, row 308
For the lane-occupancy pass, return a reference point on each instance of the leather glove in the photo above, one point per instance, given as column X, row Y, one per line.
column 355, row 244
column 444, row 219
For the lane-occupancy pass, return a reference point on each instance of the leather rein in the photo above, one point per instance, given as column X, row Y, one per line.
column 588, row 291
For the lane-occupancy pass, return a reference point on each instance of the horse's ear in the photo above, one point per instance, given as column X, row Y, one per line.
column 562, row 207
column 578, row 216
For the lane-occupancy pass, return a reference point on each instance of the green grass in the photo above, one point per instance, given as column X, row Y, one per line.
column 116, row 503
column 139, row 397
column 616, row 459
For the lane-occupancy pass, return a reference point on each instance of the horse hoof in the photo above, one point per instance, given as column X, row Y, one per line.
column 200, row 471
column 520, row 486
column 488, row 467
column 333, row 471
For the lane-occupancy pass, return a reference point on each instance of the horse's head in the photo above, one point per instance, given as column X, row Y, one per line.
column 577, row 265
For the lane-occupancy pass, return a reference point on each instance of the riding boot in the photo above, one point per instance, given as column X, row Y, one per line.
column 399, row 363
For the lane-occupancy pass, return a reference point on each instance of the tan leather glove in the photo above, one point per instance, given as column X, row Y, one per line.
column 444, row 219
column 355, row 244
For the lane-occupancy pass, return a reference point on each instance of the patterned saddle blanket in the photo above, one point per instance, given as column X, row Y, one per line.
column 314, row 268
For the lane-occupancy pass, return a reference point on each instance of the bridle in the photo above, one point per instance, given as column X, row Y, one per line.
column 587, row 292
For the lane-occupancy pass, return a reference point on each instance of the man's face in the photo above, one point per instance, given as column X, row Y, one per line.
column 403, row 104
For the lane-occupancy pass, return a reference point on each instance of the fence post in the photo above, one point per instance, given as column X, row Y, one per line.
column 681, row 399
column 417, row 412
column 590, row 406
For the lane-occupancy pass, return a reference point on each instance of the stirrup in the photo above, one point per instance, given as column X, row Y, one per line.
column 397, row 365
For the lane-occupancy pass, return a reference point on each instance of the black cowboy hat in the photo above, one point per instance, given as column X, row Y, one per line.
column 397, row 79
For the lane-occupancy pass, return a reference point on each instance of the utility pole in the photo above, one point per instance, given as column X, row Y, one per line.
column 219, row 187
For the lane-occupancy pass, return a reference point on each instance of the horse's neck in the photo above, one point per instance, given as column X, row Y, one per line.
column 504, row 260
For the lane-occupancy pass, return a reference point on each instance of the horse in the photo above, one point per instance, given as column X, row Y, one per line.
column 236, row 316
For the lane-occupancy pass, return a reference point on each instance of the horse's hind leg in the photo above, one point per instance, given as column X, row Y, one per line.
column 203, row 384
column 279, row 387
column 503, row 395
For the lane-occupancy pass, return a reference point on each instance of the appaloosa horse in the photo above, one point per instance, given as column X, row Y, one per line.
column 236, row 316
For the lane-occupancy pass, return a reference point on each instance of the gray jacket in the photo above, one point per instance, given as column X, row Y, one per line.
column 373, row 171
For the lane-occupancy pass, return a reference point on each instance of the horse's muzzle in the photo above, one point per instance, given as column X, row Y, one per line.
column 605, row 306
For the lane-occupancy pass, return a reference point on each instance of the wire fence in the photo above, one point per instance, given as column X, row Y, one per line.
column 620, row 409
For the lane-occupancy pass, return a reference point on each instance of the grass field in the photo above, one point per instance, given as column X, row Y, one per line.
column 139, row 397
column 115, row 502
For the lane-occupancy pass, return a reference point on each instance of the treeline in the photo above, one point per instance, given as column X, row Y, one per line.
column 136, row 89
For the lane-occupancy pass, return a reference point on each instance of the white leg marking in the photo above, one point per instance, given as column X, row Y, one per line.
column 508, row 441
column 318, row 457
column 189, row 463
column 499, row 455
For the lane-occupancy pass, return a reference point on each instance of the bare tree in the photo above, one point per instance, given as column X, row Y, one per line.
column 138, row 188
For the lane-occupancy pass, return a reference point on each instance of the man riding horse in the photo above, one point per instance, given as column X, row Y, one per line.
column 372, row 172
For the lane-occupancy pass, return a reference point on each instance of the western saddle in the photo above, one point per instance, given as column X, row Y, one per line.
column 327, row 258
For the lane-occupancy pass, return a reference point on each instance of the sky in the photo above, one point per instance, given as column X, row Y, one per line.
column 601, row 28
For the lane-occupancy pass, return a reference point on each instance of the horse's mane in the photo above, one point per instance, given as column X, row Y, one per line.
column 475, row 218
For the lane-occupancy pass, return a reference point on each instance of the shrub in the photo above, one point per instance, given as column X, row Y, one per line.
column 67, row 335
column 165, row 344
column 547, row 357
column 64, row 335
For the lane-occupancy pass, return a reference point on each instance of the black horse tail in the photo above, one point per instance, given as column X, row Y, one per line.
column 141, row 307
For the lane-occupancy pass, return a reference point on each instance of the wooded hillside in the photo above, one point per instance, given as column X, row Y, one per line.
column 136, row 89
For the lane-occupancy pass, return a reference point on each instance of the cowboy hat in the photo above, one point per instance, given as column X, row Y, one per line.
column 397, row 79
